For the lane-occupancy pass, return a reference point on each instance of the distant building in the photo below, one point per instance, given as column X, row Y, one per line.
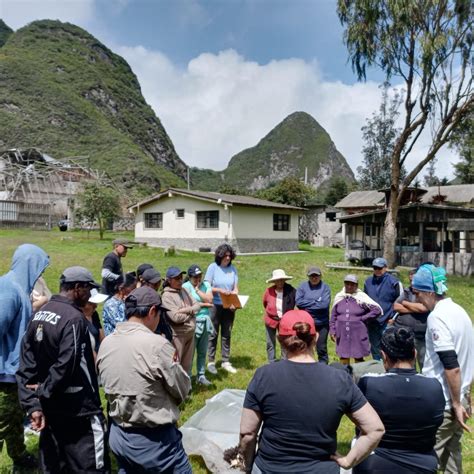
column 201, row 220
column 434, row 224
column 320, row 226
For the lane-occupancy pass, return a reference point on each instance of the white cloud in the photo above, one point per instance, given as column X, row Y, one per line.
column 221, row 104
column 17, row 13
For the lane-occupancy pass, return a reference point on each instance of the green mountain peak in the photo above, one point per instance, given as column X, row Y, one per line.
column 67, row 94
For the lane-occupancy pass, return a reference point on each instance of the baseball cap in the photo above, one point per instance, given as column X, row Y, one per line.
column 141, row 268
column 173, row 272
column 143, row 296
column 96, row 297
column 151, row 275
column 351, row 278
column 124, row 242
column 78, row 274
column 194, row 270
column 379, row 262
column 290, row 318
column 314, row 271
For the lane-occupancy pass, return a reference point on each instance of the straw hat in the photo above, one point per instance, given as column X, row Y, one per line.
column 279, row 275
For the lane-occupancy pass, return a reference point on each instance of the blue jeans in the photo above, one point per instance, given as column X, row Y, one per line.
column 149, row 450
column 375, row 336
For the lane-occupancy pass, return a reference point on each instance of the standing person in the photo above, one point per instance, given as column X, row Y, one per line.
column 222, row 276
column 113, row 311
column 277, row 300
column 94, row 326
column 349, row 316
column 449, row 358
column 383, row 288
column 112, row 272
column 314, row 296
column 57, row 382
column 152, row 278
column 299, row 405
column 410, row 426
column 28, row 263
column 143, row 384
column 412, row 315
column 181, row 309
column 201, row 291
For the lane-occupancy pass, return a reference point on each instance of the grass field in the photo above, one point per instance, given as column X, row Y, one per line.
column 248, row 338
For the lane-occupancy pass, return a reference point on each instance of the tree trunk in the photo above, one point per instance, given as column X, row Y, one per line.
column 101, row 228
column 390, row 232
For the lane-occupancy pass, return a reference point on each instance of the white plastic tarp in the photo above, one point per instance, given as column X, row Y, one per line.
column 215, row 428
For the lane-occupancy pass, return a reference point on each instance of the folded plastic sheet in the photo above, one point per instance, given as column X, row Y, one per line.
column 215, row 428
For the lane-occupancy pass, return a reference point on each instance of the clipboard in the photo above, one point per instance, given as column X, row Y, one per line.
column 239, row 301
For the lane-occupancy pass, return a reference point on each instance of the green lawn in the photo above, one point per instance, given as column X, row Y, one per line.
column 248, row 343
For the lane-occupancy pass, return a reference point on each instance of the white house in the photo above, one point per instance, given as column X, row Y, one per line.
column 198, row 220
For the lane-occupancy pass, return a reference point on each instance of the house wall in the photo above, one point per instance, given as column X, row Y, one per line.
column 246, row 228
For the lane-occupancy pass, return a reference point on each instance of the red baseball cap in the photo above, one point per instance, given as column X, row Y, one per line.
column 290, row 318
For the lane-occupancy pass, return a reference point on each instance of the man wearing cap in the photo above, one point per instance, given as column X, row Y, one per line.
column 112, row 272
column 151, row 278
column 412, row 315
column 449, row 358
column 28, row 263
column 384, row 289
column 314, row 296
column 57, row 381
column 144, row 384
column 181, row 310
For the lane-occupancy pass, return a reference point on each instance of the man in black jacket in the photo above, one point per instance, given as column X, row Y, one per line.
column 57, row 381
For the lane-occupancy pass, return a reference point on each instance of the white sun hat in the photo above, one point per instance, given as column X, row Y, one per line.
column 96, row 297
column 279, row 274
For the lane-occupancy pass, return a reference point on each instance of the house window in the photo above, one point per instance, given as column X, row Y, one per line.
column 179, row 213
column 281, row 222
column 330, row 217
column 207, row 219
column 153, row 220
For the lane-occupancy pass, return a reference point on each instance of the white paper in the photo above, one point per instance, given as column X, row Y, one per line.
column 243, row 299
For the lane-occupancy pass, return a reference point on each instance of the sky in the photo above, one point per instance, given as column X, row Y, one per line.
column 220, row 74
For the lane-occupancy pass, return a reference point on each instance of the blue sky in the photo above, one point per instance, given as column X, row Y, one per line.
column 220, row 74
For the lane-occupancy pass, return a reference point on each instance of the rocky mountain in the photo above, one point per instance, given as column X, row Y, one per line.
column 64, row 92
column 295, row 144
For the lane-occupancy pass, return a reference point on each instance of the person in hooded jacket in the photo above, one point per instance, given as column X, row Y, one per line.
column 28, row 263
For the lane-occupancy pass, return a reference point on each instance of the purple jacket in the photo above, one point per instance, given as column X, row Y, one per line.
column 348, row 325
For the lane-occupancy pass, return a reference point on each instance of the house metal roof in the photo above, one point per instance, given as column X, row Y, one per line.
column 220, row 198
column 456, row 193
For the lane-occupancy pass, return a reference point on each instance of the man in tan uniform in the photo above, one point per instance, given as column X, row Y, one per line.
column 144, row 384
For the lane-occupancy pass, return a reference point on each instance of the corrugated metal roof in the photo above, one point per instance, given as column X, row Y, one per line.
column 362, row 199
column 456, row 193
column 230, row 199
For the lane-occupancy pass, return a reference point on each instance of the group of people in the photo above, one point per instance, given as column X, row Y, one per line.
column 54, row 358
column 357, row 318
column 405, row 422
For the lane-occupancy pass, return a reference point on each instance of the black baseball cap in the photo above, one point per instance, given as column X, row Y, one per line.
column 194, row 270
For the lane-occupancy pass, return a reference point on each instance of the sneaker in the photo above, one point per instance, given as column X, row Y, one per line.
column 211, row 367
column 203, row 381
column 228, row 366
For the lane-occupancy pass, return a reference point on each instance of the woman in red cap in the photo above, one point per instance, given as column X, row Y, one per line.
column 300, row 403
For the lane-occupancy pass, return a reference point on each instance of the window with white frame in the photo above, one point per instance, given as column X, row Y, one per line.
column 179, row 213
column 207, row 219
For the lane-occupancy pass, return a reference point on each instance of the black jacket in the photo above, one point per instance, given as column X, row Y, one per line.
column 56, row 353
